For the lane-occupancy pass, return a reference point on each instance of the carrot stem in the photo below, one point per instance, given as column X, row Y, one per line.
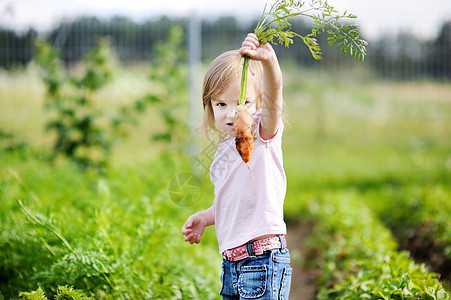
column 242, row 100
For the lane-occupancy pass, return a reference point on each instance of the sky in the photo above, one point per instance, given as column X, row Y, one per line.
column 376, row 17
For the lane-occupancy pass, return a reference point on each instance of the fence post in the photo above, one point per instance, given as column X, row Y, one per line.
column 194, row 56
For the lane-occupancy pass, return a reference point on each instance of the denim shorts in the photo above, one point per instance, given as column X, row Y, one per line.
column 266, row 276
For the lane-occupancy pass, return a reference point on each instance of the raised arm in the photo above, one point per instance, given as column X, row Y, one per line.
column 272, row 102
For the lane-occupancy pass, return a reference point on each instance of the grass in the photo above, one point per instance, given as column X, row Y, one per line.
column 381, row 140
column 113, row 236
column 365, row 127
column 355, row 108
column 346, row 131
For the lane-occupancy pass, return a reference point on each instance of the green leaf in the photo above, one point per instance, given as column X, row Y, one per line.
column 325, row 19
column 65, row 292
column 35, row 295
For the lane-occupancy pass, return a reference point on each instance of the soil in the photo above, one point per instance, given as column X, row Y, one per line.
column 302, row 280
column 425, row 249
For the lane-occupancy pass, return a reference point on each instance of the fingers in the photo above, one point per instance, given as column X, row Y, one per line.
column 251, row 37
column 249, row 43
column 188, row 225
column 256, row 50
column 189, row 235
column 248, row 51
column 192, row 237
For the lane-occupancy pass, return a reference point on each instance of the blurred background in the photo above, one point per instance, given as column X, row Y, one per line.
column 101, row 161
column 408, row 39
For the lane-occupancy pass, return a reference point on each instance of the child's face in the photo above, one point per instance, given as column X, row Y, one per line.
column 224, row 107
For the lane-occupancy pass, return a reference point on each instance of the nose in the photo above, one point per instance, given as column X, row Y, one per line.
column 231, row 112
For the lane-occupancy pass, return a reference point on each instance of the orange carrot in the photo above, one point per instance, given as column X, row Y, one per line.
column 244, row 137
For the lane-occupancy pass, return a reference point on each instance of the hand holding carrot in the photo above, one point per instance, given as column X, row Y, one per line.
column 252, row 48
column 256, row 50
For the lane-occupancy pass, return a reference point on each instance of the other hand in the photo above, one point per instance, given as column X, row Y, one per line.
column 194, row 228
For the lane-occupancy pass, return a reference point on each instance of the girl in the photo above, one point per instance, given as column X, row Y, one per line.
column 247, row 211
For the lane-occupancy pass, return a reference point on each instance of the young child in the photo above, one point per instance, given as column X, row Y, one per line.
column 248, row 209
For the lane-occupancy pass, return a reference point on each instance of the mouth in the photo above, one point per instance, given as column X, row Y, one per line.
column 229, row 124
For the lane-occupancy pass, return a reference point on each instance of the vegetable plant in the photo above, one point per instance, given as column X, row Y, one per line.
column 85, row 133
column 80, row 134
column 275, row 26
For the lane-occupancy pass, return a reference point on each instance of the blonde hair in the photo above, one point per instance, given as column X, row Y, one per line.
column 226, row 68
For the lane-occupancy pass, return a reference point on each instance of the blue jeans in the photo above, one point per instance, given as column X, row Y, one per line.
column 266, row 276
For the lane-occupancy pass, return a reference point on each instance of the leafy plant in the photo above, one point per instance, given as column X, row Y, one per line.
column 326, row 19
column 34, row 295
column 83, row 132
column 11, row 141
column 63, row 293
column 275, row 26
column 419, row 218
column 168, row 82
column 80, row 134
column 358, row 257
column 102, row 237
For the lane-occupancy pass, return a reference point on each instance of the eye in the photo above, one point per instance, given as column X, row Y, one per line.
column 221, row 104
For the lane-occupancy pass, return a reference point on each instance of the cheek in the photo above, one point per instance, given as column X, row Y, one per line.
column 218, row 114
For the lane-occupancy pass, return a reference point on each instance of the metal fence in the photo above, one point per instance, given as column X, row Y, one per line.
column 403, row 56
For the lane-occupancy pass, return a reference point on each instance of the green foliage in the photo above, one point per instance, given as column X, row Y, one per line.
column 35, row 295
column 419, row 217
column 424, row 210
column 356, row 254
column 80, row 132
column 325, row 16
column 53, row 69
column 168, row 85
column 123, row 231
column 86, row 133
column 326, row 19
column 117, row 237
column 391, row 159
column 11, row 141
column 390, row 277
column 63, row 293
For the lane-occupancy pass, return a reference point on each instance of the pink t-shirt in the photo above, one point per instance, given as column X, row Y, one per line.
column 243, row 211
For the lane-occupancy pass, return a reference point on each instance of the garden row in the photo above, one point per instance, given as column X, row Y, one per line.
column 118, row 237
column 419, row 218
column 355, row 253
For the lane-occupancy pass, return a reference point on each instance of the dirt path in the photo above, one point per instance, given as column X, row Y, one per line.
column 302, row 285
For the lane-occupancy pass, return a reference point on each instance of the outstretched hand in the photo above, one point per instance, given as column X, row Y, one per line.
column 194, row 228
